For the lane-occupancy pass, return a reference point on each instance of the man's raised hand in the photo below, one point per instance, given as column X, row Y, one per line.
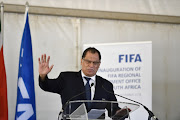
column 44, row 68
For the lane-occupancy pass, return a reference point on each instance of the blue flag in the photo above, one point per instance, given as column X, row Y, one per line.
column 25, row 106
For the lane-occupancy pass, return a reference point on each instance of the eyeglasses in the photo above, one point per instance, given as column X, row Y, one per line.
column 88, row 62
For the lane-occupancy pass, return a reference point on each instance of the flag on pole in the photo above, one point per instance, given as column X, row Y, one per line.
column 25, row 106
column 3, row 84
column 3, row 88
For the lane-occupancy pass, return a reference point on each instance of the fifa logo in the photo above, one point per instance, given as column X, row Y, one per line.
column 130, row 58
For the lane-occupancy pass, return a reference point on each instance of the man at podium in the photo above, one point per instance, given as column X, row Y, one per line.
column 81, row 85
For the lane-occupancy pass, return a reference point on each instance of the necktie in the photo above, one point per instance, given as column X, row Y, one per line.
column 88, row 91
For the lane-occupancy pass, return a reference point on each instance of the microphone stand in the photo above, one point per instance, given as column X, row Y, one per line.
column 151, row 115
column 65, row 105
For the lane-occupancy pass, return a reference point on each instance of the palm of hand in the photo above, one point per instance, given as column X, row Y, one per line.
column 44, row 68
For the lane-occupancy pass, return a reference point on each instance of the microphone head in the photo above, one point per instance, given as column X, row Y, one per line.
column 92, row 84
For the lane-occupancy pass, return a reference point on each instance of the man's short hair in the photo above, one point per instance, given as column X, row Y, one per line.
column 92, row 50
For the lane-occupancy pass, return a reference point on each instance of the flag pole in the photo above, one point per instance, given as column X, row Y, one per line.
column 3, row 85
column 27, row 6
column 26, row 11
column 2, row 22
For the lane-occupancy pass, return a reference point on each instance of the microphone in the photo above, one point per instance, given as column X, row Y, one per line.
column 65, row 105
column 151, row 115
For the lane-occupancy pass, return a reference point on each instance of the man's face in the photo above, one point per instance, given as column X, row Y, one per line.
column 90, row 64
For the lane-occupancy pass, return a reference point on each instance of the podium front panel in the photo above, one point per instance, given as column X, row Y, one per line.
column 99, row 109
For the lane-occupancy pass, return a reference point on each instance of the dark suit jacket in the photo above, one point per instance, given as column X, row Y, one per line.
column 69, row 84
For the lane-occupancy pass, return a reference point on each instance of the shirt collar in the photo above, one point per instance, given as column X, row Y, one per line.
column 92, row 78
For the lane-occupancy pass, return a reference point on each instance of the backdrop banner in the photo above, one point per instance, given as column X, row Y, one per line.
column 129, row 67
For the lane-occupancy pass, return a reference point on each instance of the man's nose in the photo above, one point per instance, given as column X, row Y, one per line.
column 91, row 64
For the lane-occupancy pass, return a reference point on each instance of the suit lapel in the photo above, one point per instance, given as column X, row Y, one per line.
column 80, row 84
column 98, row 89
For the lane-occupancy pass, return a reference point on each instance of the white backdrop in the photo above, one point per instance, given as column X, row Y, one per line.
column 57, row 36
column 128, row 65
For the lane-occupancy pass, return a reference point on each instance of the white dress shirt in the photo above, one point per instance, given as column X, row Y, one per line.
column 92, row 80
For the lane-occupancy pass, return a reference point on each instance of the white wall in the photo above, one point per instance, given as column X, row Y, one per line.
column 57, row 36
